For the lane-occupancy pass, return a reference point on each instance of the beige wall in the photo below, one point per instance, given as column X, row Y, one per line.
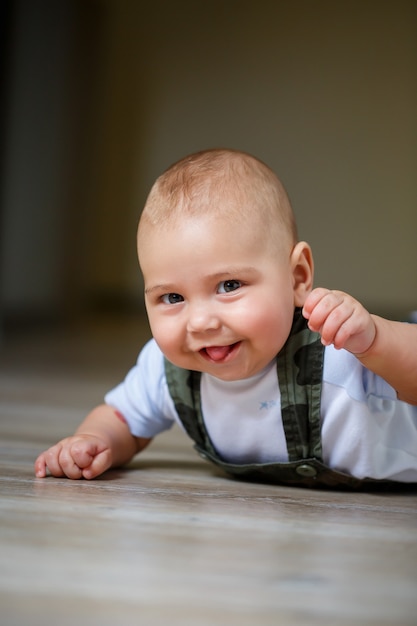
column 325, row 92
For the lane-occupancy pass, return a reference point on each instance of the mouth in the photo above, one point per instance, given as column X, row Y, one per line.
column 219, row 354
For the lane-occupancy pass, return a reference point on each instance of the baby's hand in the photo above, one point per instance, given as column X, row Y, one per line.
column 80, row 456
column 340, row 319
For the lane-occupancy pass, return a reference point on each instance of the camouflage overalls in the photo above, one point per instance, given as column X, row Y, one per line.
column 300, row 369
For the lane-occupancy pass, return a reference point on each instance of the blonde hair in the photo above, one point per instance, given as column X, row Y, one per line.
column 224, row 183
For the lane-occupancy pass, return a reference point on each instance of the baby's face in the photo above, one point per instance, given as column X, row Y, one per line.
column 218, row 300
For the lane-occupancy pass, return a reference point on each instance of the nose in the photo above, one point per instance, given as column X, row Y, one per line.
column 202, row 317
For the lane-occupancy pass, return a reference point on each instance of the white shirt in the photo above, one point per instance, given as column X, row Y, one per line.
column 366, row 430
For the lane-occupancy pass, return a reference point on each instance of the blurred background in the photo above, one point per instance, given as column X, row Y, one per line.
column 99, row 96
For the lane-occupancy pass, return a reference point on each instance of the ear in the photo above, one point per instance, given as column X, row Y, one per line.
column 302, row 266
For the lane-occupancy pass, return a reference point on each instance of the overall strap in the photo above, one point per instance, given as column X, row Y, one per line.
column 300, row 375
column 184, row 388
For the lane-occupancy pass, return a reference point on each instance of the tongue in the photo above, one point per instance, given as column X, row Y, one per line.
column 217, row 353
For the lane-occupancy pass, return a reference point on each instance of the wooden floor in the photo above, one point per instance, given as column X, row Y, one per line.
column 169, row 540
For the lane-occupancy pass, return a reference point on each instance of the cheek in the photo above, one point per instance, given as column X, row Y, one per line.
column 268, row 328
column 164, row 331
column 270, row 323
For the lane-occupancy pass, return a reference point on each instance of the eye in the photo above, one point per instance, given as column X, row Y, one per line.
column 172, row 298
column 226, row 286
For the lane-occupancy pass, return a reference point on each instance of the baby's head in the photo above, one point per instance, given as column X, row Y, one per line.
column 222, row 266
column 230, row 186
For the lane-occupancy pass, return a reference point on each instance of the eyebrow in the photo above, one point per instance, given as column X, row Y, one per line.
column 164, row 288
column 233, row 272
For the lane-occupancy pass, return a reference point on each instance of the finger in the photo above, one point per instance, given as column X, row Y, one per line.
column 313, row 299
column 336, row 329
column 91, row 458
column 83, row 453
column 329, row 309
column 99, row 464
column 67, row 464
column 357, row 333
column 40, row 466
column 51, row 458
column 336, row 323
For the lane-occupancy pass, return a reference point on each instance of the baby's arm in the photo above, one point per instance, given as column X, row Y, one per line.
column 385, row 347
column 102, row 441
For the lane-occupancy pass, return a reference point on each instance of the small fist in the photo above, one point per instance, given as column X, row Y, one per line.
column 80, row 456
column 340, row 319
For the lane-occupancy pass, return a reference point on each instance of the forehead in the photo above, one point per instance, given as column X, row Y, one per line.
column 225, row 223
column 202, row 246
column 219, row 226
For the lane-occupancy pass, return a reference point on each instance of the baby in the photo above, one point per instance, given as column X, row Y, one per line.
column 272, row 379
